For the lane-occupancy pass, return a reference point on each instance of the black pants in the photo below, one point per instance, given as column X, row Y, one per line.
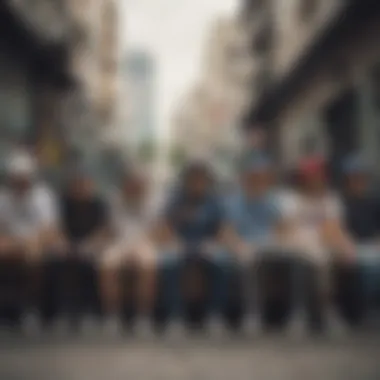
column 14, row 278
column 349, row 294
column 284, row 282
column 70, row 286
column 275, row 290
column 235, row 306
column 128, row 279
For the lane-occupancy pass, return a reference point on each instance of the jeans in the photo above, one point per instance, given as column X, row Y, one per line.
column 221, row 265
column 369, row 269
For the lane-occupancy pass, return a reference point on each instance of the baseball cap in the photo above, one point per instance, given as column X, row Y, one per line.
column 21, row 164
column 310, row 166
column 355, row 164
column 257, row 163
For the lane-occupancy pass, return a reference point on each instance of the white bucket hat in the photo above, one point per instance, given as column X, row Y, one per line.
column 21, row 164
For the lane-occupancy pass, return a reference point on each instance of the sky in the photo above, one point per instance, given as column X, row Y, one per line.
column 175, row 32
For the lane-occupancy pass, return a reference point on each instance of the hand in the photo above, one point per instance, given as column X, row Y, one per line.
column 6, row 245
column 349, row 254
column 85, row 247
column 245, row 250
column 210, row 248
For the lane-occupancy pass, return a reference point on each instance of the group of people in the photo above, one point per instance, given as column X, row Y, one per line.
column 257, row 248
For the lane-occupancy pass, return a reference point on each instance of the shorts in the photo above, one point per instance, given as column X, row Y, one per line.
column 141, row 252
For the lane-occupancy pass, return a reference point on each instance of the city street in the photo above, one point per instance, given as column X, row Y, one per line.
column 269, row 358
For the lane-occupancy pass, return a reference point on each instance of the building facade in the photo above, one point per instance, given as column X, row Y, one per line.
column 55, row 72
column 205, row 122
column 95, row 65
column 140, row 78
column 34, row 74
column 322, row 88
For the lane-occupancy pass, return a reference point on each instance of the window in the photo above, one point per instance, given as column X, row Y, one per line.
column 307, row 9
column 263, row 81
column 375, row 81
column 263, row 41
column 256, row 5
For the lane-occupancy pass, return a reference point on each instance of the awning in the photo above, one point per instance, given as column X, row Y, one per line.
column 49, row 61
column 348, row 22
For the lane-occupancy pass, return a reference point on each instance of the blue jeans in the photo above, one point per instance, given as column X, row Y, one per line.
column 369, row 266
column 222, row 266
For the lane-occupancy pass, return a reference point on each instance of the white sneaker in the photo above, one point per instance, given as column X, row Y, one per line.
column 251, row 325
column 297, row 325
column 144, row 327
column 216, row 327
column 112, row 325
column 31, row 324
column 335, row 325
column 89, row 326
column 61, row 326
column 175, row 329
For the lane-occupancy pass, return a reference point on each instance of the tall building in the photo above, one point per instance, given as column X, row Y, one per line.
column 205, row 122
column 321, row 93
column 95, row 63
column 140, row 75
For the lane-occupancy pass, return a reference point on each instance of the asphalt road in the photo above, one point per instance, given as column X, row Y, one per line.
column 188, row 357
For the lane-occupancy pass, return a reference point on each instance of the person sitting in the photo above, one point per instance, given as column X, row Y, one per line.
column 71, row 284
column 255, row 224
column 129, row 264
column 362, row 218
column 191, row 225
column 319, row 236
column 29, row 230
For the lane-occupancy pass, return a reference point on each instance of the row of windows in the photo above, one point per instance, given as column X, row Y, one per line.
column 306, row 9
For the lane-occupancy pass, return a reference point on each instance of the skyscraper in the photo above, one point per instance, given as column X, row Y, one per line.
column 140, row 79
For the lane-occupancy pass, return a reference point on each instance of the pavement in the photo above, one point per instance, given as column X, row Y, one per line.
column 261, row 357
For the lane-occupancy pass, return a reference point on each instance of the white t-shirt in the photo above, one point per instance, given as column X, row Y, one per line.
column 25, row 216
column 130, row 223
column 307, row 216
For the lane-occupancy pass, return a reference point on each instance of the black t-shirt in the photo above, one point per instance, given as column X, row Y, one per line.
column 82, row 218
column 363, row 217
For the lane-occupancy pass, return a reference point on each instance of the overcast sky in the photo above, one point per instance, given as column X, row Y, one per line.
column 175, row 32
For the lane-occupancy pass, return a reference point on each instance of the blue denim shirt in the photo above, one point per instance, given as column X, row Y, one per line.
column 253, row 219
column 195, row 223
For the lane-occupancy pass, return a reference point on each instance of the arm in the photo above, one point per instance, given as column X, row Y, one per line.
column 162, row 231
column 48, row 235
column 229, row 238
column 102, row 233
column 338, row 239
column 162, row 234
column 335, row 234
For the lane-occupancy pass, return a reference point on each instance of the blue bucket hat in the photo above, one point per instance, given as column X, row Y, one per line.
column 257, row 163
column 355, row 164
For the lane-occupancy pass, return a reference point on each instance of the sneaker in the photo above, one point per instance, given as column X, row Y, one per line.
column 112, row 325
column 216, row 327
column 31, row 325
column 144, row 327
column 89, row 325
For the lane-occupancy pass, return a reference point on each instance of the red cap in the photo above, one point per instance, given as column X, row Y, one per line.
column 312, row 166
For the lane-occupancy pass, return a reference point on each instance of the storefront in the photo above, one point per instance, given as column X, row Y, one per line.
column 33, row 77
column 16, row 102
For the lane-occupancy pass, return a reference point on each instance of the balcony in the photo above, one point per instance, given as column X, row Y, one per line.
column 263, row 39
column 263, row 81
column 47, row 19
column 253, row 10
